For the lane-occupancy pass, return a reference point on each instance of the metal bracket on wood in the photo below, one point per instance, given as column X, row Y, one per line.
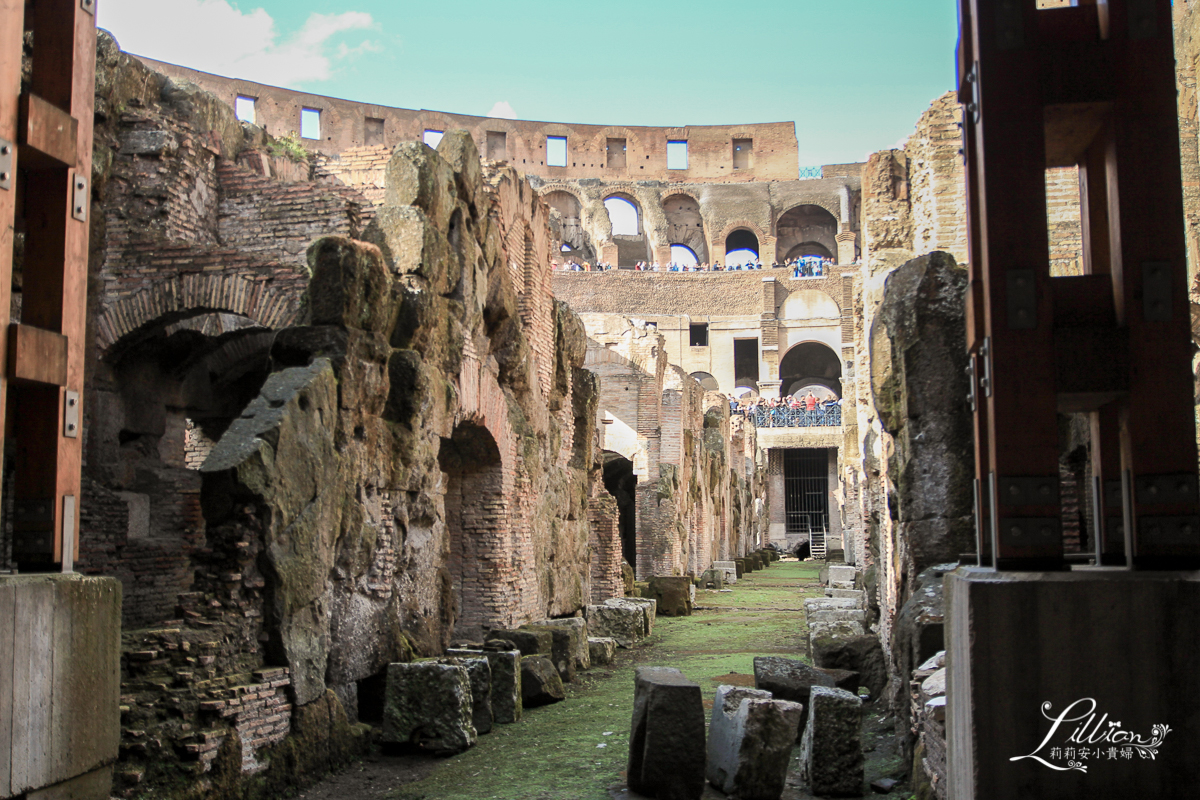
column 80, row 198
column 7, row 154
column 89, row 6
column 985, row 355
column 71, row 415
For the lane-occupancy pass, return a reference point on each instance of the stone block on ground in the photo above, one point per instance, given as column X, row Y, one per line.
column 712, row 579
column 673, row 594
column 789, row 679
column 739, row 564
column 831, row 757
column 582, row 658
column 506, row 682
column 819, row 629
column 853, row 594
column 530, row 643
column 625, row 624
column 479, row 672
column 830, row 603
column 564, row 648
column 602, row 649
column 428, row 704
column 729, row 568
column 748, row 564
column 666, row 746
column 841, row 573
column 648, row 605
column 863, row 654
column 540, row 682
column 750, row 739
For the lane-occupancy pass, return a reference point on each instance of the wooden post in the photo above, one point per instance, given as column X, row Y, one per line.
column 1093, row 86
column 54, row 134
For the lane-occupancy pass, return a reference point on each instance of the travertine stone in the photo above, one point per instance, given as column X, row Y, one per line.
column 580, row 644
column 564, row 647
column 602, row 649
column 506, row 681
column 540, row 682
column 750, row 740
column 666, row 746
column 788, row 679
column 831, row 757
column 479, row 671
column 429, row 704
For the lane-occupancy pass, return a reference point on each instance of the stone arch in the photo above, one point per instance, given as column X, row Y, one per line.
column 514, row 140
column 269, row 304
column 811, row 362
column 707, row 381
column 685, row 223
column 807, row 224
column 810, row 304
column 633, row 141
column 436, row 121
column 745, row 224
column 475, row 525
column 806, row 249
column 621, row 482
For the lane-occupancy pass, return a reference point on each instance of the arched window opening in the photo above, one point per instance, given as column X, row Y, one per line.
column 741, row 247
column 624, row 217
column 807, row 230
column 811, row 365
column 707, row 381
column 683, row 256
column 685, row 225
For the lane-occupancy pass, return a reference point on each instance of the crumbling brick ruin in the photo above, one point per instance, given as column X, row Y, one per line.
column 341, row 410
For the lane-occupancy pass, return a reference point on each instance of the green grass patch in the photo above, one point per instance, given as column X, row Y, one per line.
column 578, row 748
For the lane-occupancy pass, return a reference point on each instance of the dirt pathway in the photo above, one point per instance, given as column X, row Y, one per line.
column 577, row 749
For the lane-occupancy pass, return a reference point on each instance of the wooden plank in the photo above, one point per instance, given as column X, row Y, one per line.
column 8, row 595
column 36, row 355
column 63, row 714
column 47, row 134
column 12, row 22
column 32, row 671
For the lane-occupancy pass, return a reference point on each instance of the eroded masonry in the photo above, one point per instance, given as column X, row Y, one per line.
column 348, row 404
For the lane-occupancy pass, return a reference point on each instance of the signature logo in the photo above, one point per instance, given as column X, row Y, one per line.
column 1089, row 737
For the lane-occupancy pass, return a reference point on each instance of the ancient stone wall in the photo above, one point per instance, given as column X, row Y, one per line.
column 593, row 151
column 697, row 474
column 291, row 507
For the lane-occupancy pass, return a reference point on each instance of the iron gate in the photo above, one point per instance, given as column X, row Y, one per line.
column 806, row 489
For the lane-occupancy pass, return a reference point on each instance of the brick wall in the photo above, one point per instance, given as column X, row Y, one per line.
column 344, row 126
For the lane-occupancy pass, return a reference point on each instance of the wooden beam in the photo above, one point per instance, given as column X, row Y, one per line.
column 48, row 134
column 36, row 355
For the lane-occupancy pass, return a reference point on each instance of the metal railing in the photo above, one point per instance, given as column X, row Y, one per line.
column 797, row 417
column 811, row 173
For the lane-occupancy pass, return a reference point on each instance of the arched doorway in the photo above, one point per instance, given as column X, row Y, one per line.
column 475, row 525
column 685, row 226
column 568, row 207
column 626, row 218
column 807, row 230
column 621, row 483
column 811, row 364
column 741, row 247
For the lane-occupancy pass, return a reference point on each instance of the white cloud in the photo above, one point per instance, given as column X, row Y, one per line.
column 215, row 36
column 502, row 110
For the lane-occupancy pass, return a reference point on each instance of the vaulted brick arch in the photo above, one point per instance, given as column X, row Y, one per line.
column 267, row 303
column 685, row 222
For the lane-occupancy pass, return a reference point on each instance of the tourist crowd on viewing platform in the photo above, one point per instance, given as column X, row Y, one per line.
column 807, row 267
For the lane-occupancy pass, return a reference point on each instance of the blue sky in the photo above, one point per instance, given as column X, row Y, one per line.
column 853, row 74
